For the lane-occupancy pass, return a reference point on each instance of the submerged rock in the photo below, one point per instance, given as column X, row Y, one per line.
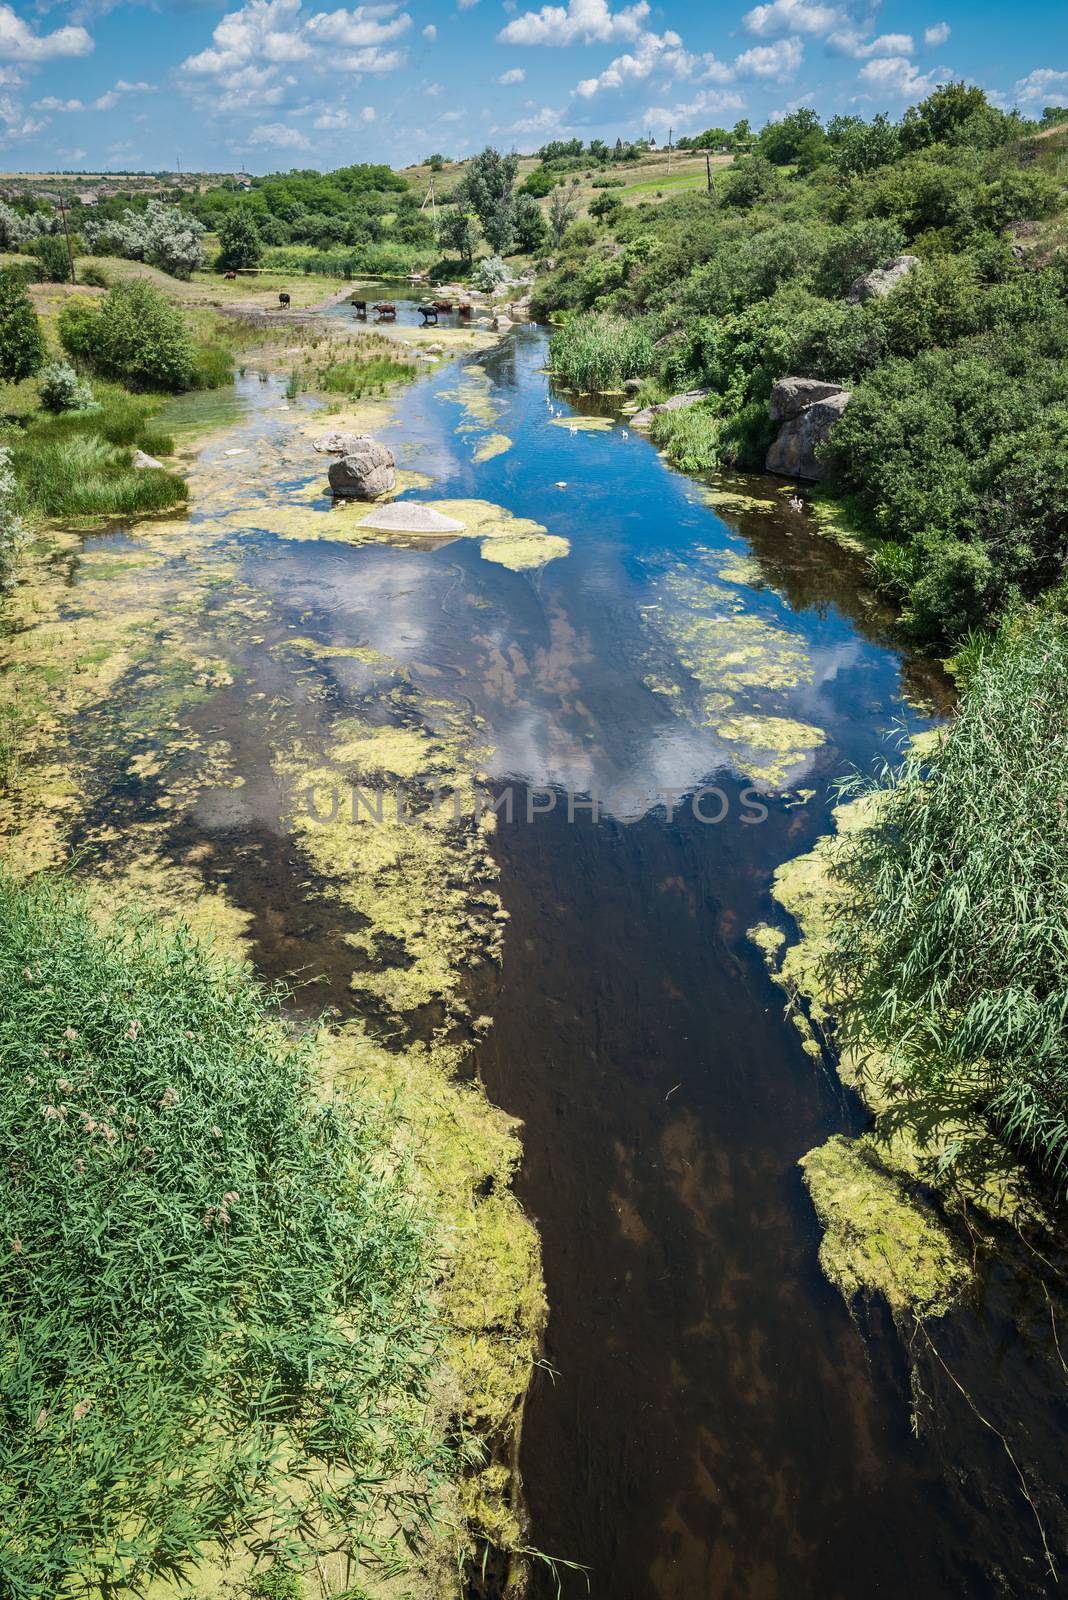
column 876, row 284
column 678, row 402
column 793, row 453
column 365, row 471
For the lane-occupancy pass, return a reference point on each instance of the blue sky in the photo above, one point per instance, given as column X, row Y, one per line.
column 271, row 84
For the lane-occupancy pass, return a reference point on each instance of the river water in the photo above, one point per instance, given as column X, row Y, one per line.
column 711, row 1420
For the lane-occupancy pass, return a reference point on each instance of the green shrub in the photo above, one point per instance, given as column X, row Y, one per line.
column 217, row 1286
column 22, row 348
column 92, row 276
column 53, row 257
column 63, row 390
column 133, row 335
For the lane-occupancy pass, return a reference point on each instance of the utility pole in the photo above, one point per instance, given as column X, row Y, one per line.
column 708, row 171
column 66, row 234
column 429, row 199
column 671, row 134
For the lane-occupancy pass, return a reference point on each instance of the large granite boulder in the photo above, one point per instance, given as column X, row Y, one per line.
column 678, row 402
column 364, row 472
column 879, row 281
column 337, row 443
column 791, row 396
column 793, row 454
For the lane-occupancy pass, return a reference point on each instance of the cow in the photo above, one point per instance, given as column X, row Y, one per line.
column 360, row 307
column 465, row 308
column 442, row 305
column 283, row 301
column 429, row 314
column 230, row 277
column 386, row 310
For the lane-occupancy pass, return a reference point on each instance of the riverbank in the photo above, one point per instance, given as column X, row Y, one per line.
column 165, row 720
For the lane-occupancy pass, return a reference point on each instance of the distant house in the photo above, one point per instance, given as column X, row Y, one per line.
column 88, row 197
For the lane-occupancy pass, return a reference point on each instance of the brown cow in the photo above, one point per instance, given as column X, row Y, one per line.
column 442, row 305
column 386, row 309
column 230, row 277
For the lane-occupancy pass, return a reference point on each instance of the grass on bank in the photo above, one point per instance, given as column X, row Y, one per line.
column 594, row 353
column 79, row 463
column 216, row 1316
column 952, row 946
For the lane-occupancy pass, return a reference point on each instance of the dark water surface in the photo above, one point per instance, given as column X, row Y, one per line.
column 715, row 1424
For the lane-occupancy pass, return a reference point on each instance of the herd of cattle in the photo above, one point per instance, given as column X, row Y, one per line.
column 386, row 310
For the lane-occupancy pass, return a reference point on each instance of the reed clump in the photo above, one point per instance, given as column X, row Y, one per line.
column 217, row 1319
column 951, row 955
column 594, row 352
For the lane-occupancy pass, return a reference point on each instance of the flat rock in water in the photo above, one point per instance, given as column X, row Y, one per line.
column 409, row 516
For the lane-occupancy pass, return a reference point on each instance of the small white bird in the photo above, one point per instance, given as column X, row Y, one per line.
column 626, row 435
column 560, row 486
column 572, row 430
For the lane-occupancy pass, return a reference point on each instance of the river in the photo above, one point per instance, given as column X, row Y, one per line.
column 711, row 1420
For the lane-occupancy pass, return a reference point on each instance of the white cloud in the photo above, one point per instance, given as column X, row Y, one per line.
column 1045, row 84
column 793, row 16
column 50, row 103
column 513, row 75
column 654, row 51
column 465, row 5
column 274, row 32
column 779, row 61
column 16, row 125
column 900, row 76
column 18, row 42
column 544, row 121
column 579, row 22
column 278, row 135
column 937, row 35
column 887, row 44
column 357, row 29
column 430, row 32
column 705, row 105
column 103, row 102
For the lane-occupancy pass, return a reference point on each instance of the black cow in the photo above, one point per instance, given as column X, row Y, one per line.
column 429, row 314
column 283, row 301
column 360, row 307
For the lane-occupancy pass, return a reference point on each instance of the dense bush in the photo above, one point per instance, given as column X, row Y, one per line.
column 133, row 335
column 22, row 348
column 239, row 240
column 53, row 258
column 63, row 390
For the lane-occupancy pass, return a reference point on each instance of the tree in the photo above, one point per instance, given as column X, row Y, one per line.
column 741, row 132
column 782, row 142
column 459, row 232
column 22, row 348
column 435, row 162
column 133, row 335
column 750, row 180
column 239, row 240
column 531, row 228
column 12, row 228
column 562, row 210
column 487, row 187
column 956, row 113
column 162, row 235
column 860, row 146
column 53, row 256
column 606, row 207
